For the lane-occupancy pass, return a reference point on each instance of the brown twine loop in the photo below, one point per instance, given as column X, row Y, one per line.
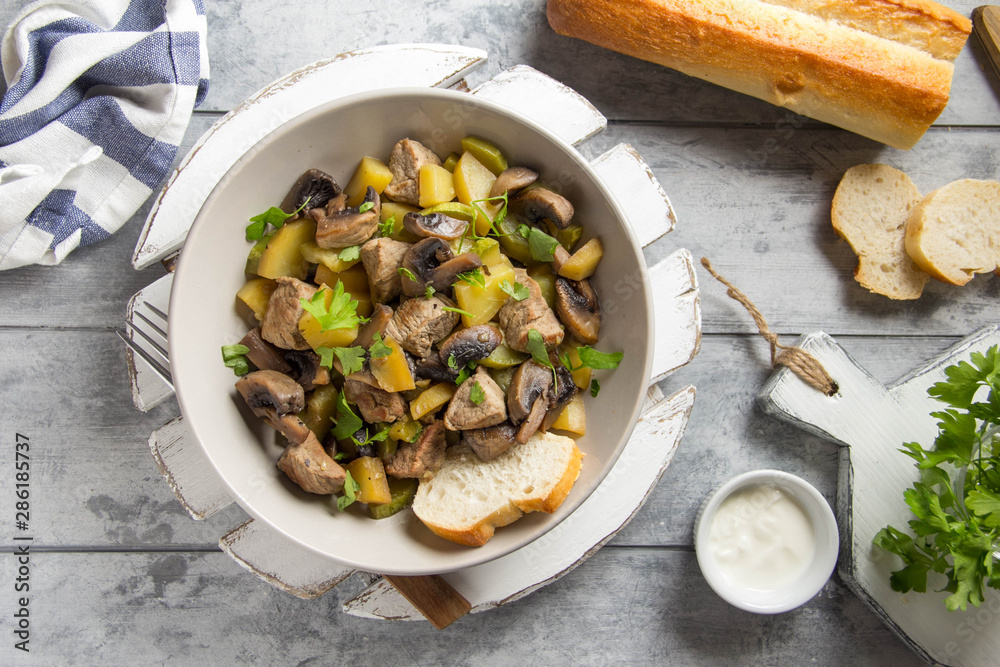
column 795, row 359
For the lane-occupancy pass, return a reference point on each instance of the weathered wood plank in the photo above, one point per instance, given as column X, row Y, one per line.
column 96, row 485
column 624, row 606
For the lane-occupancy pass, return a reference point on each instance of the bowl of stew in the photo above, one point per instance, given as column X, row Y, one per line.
column 218, row 262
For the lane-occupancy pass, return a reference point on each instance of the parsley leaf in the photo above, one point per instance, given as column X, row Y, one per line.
column 273, row 216
column 388, row 227
column 595, row 387
column 350, row 253
column 541, row 245
column 536, row 346
column 347, row 423
column 352, row 359
column 366, row 206
column 378, row 437
column 341, row 314
column 351, row 489
column 378, row 348
column 956, row 504
column 405, row 272
column 466, row 372
column 474, row 278
column 428, row 291
column 517, row 291
column 234, row 356
column 598, row 360
column 477, row 394
column 452, row 362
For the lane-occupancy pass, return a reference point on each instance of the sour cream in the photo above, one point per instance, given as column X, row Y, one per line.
column 761, row 538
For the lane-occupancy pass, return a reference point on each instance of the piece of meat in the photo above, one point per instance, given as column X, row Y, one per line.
column 419, row 323
column 263, row 390
column 517, row 318
column 489, row 443
column 375, row 404
column 308, row 465
column 426, row 454
column 405, row 160
column 382, row 259
column 464, row 414
column 281, row 320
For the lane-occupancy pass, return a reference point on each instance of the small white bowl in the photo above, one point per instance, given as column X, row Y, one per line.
column 794, row 593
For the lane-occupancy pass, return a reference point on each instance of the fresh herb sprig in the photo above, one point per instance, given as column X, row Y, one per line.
column 342, row 313
column 957, row 520
column 274, row 217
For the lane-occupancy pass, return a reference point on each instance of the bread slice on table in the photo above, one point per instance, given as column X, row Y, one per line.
column 954, row 233
column 468, row 498
column 870, row 209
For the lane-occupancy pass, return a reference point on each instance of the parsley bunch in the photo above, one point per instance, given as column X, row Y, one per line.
column 956, row 504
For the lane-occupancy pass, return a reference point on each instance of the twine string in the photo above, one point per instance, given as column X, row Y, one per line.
column 794, row 358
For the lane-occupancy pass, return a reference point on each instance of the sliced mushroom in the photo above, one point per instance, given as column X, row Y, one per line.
column 426, row 454
column 541, row 203
column 306, row 369
column 579, row 309
column 313, row 189
column 284, row 308
column 489, row 443
column 562, row 393
column 382, row 258
column 376, row 324
column 443, row 277
column 419, row 260
column 511, row 179
column 308, row 465
column 289, row 425
column 533, row 421
column 375, row 404
column 349, row 227
column 530, row 382
column 470, row 344
column 559, row 257
column 271, row 389
column 432, row 368
column 463, row 413
column 437, row 225
column 263, row 355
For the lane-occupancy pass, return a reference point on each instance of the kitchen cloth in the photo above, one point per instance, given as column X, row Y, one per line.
column 99, row 94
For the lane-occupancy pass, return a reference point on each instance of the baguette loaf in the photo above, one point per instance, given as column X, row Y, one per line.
column 954, row 233
column 468, row 498
column 869, row 211
column 880, row 68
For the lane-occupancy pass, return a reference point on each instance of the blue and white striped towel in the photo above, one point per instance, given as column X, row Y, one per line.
column 99, row 94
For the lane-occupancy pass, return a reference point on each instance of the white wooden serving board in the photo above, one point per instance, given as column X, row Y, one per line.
column 871, row 422
column 677, row 325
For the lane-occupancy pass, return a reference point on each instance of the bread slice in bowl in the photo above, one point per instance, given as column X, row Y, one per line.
column 468, row 498
column 954, row 233
column 870, row 209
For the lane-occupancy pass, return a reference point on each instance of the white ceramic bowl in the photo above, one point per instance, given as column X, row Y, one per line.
column 816, row 573
column 203, row 317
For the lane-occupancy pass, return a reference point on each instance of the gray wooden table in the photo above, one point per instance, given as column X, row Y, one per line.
column 120, row 575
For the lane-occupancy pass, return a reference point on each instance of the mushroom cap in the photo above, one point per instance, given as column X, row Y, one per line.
column 434, row 224
column 492, row 441
column 470, row 344
column 513, row 178
column 271, row 389
column 530, row 382
column 538, row 204
column 314, row 185
column 420, row 259
column 579, row 309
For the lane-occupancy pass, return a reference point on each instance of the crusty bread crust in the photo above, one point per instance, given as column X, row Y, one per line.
column 548, row 493
column 828, row 70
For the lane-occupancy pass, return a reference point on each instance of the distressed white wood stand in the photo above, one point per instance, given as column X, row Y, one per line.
column 677, row 324
column 871, row 422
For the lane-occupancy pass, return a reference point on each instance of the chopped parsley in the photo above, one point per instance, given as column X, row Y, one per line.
column 517, row 291
column 341, row 314
column 351, row 489
column 541, row 245
column 474, row 278
column 595, row 387
column 457, row 310
column 347, row 423
column 273, row 216
column 536, row 346
column 234, row 356
column 378, row 348
column 599, row 360
column 466, row 372
column 403, row 271
column 387, row 228
column 428, row 291
column 366, row 206
column 352, row 359
column 350, row 253
column 477, row 394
